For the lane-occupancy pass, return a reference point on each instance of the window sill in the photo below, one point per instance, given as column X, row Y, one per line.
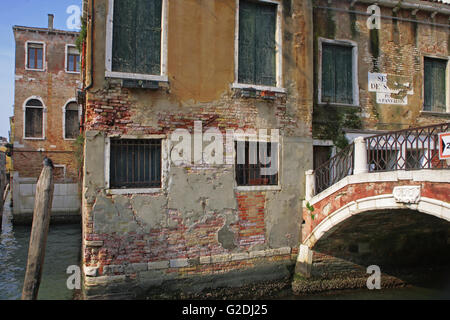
column 334, row 104
column 258, row 87
column 257, row 188
column 73, row 72
column 136, row 76
column 26, row 138
column 29, row 69
column 133, row 191
column 435, row 113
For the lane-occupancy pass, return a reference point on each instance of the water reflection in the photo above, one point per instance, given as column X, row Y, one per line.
column 63, row 249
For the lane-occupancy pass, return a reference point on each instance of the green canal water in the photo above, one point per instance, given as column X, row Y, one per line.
column 63, row 250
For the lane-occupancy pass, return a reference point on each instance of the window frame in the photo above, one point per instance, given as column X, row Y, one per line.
column 165, row 163
column 246, row 138
column 355, row 84
column 44, row 64
column 278, row 55
column 447, row 84
column 44, row 117
column 71, row 100
column 66, row 64
column 162, row 77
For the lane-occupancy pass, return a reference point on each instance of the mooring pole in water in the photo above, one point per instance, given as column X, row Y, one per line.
column 39, row 231
column 2, row 201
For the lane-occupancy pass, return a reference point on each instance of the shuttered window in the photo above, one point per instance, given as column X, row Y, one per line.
column 135, row 163
column 249, row 172
column 257, row 47
column 33, row 119
column 72, row 122
column 337, row 73
column 434, row 85
column 136, row 44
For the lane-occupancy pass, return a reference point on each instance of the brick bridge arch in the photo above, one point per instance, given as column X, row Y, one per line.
column 425, row 191
column 395, row 170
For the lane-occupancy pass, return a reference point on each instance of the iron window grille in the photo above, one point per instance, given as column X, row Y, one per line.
column 249, row 173
column 135, row 163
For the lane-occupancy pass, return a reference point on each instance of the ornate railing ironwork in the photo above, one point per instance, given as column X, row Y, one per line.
column 335, row 169
column 409, row 149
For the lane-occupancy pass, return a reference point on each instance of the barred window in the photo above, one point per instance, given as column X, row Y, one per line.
column 135, row 163
column 249, row 165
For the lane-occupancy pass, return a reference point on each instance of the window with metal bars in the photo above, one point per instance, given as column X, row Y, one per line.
column 249, row 173
column 135, row 163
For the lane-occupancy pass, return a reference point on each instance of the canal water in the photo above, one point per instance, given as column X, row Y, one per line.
column 63, row 250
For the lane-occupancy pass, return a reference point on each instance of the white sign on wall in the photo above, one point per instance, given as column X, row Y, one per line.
column 378, row 82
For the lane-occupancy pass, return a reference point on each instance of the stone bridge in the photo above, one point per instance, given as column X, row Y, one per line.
column 394, row 171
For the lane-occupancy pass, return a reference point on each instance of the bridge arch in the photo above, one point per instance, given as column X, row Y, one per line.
column 433, row 207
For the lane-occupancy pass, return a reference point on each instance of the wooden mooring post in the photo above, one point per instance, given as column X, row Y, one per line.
column 2, row 203
column 39, row 232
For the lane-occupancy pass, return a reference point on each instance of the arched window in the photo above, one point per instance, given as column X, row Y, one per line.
column 34, row 115
column 71, row 121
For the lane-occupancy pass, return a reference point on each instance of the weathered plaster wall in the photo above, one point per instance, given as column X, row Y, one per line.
column 198, row 223
column 396, row 49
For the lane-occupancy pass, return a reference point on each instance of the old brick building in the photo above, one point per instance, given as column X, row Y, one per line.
column 46, row 117
column 298, row 68
column 390, row 77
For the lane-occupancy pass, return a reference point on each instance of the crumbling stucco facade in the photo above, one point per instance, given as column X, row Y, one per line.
column 407, row 34
column 199, row 224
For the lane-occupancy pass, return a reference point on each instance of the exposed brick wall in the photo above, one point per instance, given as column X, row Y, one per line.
column 55, row 87
column 251, row 218
column 353, row 192
column 396, row 49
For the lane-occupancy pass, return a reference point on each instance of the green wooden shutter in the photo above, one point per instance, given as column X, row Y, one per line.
column 124, row 36
column 439, row 67
column 257, row 48
column 434, row 85
column 148, row 37
column 137, row 36
column 328, row 73
column 337, row 74
column 344, row 83
column 247, row 40
column 428, row 88
column 265, row 45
